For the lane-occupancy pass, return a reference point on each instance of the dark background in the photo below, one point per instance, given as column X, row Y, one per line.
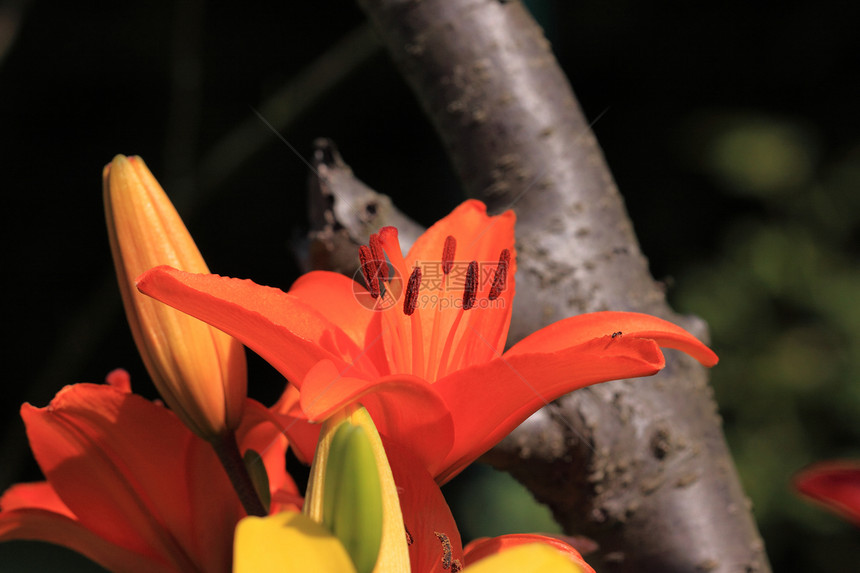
column 732, row 129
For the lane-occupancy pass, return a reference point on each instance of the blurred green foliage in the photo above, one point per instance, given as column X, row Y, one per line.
column 781, row 297
column 488, row 503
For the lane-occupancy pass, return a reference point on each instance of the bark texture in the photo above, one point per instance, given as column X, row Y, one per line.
column 343, row 213
column 639, row 466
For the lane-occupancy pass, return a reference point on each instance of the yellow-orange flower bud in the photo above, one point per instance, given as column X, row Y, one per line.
column 199, row 371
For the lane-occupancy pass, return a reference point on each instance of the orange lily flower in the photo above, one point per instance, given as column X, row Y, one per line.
column 130, row 487
column 835, row 485
column 198, row 370
column 425, row 357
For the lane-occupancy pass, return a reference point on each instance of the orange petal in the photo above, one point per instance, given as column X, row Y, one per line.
column 835, row 485
column 334, row 297
column 479, row 238
column 42, row 525
column 261, row 431
column 404, row 408
column 578, row 329
column 119, row 379
column 89, row 446
column 344, row 302
column 286, row 332
column 87, row 442
column 34, row 495
column 490, row 400
column 435, row 539
column 302, row 434
column 211, row 499
column 487, row 546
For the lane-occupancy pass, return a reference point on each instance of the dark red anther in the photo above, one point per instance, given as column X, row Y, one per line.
column 501, row 276
column 379, row 256
column 369, row 269
column 470, row 291
column 410, row 302
column 447, row 552
column 448, row 254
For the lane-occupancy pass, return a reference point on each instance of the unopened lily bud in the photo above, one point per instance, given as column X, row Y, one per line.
column 199, row 371
column 352, row 493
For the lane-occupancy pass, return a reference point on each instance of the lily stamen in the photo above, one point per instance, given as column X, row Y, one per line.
column 374, row 269
column 379, row 257
column 369, row 269
column 448, row 254
column 470, row 290
column 501, row 276
column 470, row 295
column 410, row 301
column 449, row 249
column 378, row 253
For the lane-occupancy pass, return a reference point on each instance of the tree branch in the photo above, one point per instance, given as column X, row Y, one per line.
column 343, row 213
column 640, row 466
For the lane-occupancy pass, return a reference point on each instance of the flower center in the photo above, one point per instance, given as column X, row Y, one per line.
column 432, row 308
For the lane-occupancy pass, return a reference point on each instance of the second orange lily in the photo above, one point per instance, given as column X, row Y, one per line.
column 130, row 487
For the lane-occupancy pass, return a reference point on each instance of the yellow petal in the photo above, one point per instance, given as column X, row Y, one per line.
column 287, row 541
column 530, row 558
column 198, row 370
